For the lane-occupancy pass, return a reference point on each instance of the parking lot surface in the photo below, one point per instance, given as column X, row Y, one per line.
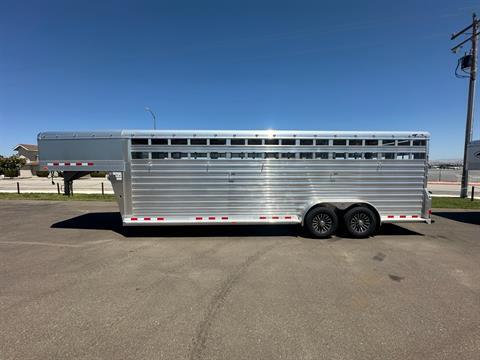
column 75, row 285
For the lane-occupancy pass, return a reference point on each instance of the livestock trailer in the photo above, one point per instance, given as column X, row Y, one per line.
column 319, row 179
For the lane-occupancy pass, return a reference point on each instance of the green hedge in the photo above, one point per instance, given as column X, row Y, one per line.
column 98, row 174
column 42, row 174
column 10, row 166
column 11, row 172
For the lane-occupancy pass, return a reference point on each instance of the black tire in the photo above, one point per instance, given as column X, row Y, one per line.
column 360, row 222
column 321, row 222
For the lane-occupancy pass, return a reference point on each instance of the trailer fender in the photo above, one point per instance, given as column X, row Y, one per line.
column 339, row 205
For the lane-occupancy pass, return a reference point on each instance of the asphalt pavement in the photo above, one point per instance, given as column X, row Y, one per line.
column 74, row 284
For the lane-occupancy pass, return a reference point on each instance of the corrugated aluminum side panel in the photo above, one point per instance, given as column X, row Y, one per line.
column 272, row 187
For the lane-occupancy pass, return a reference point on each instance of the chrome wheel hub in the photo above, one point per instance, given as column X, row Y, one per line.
column 360, row 222
column 322, row 223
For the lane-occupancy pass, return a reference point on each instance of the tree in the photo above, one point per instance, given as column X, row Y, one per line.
column 10, row 166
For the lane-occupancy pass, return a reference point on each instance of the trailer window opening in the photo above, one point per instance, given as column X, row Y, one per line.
column 139, row 141
column 306, row 142
column 218, row 142
column 288, row 141
column 198, row 141
column 159, row 141
column 179, row 141
column 321, row 142
column 321, row 155
column 371, row 142
column 355, row 142
column 271, row 142
column 239, row 155
column 197, row 155
column 355, row 155
column 403, row 143
column 339, row 142
column 159, row 155
column 255, row 155
column 271, row 155
column 371, row 155
column 388, row 142
column 254, row 141
column 179, row 155
column 237, row 142
column 419, row 142
column 217, row 155
column 139, row 155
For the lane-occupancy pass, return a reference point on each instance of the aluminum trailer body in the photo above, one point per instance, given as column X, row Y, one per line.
column 180, row 177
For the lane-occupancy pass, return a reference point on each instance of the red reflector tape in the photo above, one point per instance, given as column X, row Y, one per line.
column 390, row 216
column 67, row 164
column 263, row 218
column 199, row 218
column 78, row 163
column 147, row 218
column 211, row 218
column 134, row 219
column 55, row 164
column 288, row 217
column 402, row 216
column 429, row 211
column 160, row 218
column 90, row 164
column 414, row 216
column 224, row 217
column 275, row 217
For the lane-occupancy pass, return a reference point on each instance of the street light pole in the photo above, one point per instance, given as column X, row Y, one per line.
column 153, row 116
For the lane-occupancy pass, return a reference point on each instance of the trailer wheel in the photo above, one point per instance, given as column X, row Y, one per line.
column 321, row 222
column 360, row 221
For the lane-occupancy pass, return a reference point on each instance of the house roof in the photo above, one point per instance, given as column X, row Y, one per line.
column 28, row 147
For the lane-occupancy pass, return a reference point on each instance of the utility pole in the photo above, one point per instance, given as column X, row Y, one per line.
column 153, row 116
column 468, row 61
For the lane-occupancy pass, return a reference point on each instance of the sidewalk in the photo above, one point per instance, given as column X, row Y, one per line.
column 44, row 185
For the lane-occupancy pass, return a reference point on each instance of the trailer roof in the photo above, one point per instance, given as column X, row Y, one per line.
column 230, row 134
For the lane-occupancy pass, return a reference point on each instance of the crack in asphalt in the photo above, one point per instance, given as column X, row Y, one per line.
column 217, row 301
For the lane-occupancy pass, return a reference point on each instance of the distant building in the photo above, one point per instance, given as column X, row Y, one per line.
column 28, row 152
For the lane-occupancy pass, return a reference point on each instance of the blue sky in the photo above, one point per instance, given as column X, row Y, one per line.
column 309, row 65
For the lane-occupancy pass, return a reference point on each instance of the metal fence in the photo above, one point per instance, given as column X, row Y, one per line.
column 451, row 175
